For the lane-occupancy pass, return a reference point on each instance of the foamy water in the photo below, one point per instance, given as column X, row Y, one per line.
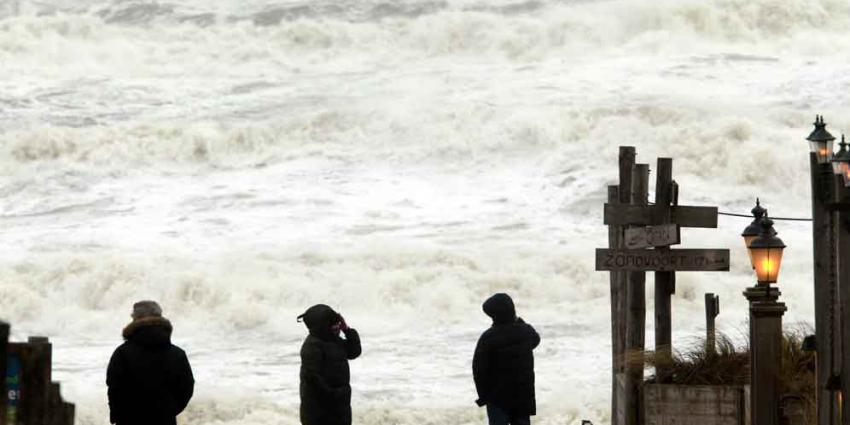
column 242, row 160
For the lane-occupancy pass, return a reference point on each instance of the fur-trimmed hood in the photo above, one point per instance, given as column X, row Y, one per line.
column 150, row 331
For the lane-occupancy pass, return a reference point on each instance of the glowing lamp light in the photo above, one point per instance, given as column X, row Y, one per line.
column 754, row 229
column 766, row 254
column 821, row 141
column 841, row 162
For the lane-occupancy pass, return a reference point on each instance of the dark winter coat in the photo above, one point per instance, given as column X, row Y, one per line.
column 150, row 381
column 325, row 387
column 503, row 365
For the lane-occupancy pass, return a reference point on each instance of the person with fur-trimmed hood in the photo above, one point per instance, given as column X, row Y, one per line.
column 325, row 375
column 503, row 365
column 150, row 380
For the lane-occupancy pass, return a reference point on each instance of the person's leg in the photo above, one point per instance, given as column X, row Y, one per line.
column 497, row 416
column 521, row 420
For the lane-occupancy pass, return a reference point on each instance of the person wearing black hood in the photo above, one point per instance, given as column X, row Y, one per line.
column 325, row 375
column 503, row 365
column 150, row 380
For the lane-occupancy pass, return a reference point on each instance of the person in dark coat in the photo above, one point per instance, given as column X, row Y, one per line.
column 150, row 380
column 503, row 365
column 325, row 388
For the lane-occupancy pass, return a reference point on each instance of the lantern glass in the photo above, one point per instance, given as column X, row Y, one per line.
column 767, row 261
column 845, row 171
column 823, row 149
column 747, row 241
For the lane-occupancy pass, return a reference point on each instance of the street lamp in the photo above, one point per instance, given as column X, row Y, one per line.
column 754, row 229
column 765, row 326
column 766, row 254
column 841, row 162
column 821, row 141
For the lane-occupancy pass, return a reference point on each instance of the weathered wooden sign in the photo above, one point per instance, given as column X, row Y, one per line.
column 674, row 260
column 694, row 405
column 639, row 215
column 652, row 236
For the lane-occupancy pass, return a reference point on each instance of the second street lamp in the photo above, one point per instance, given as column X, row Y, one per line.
column 766, row 254
column 821, row 141
column 841, row 162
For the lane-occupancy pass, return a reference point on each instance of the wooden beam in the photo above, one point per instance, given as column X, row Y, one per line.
column 674, row 260
column 636, row 313
column 684, row 216
column 664, row 281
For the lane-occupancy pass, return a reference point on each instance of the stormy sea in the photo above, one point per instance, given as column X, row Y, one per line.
column 400, row 160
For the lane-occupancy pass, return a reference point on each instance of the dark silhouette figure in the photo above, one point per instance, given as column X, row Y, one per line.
column 503, row 366
column 150, row 381
column 325, row 376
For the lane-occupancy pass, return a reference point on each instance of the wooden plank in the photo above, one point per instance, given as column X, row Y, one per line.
column 664, row 281
column 694, row 405
column 653, row 236
column 684, row 216
column 674, row 260
column 636, row 313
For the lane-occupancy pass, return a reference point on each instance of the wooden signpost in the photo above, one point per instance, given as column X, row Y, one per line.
column 29, row 396
column 639, row 238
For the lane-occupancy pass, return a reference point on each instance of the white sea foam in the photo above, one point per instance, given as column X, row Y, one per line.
column 241, row 160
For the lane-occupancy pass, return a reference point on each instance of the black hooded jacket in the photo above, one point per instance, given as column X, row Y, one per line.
column 503, row 365
column 325, row 376
column 150, row 381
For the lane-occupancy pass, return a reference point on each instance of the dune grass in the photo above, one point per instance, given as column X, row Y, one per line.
column 730, row 365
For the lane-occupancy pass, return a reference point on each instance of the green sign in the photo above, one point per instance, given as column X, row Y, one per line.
column 13, row 386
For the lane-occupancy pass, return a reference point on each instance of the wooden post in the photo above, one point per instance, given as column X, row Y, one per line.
column 824, row 304
column 765, row 353
column 712, row 309
column 60, row 412
column 68, row 411
column 622, row 193
column 35, row 360
column 617, row 318
column 844, row 291
column 4, row 341
column 636, row 312
column 665, row 282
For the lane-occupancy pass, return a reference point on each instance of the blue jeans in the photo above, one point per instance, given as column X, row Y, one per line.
column 497, row 416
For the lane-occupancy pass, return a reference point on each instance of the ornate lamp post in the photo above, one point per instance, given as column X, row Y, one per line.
column 765, row 325
column 754, row 229
column 841, row 162
column 821, row 141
